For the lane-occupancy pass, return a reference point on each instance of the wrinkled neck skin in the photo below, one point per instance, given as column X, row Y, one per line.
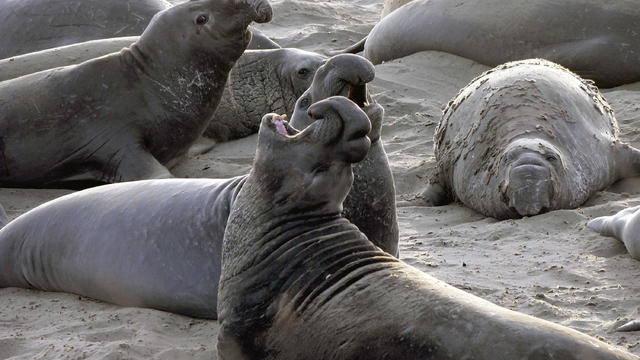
column 185, row 86
column 275, row 257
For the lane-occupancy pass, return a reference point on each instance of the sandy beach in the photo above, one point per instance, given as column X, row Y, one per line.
column 550, row 266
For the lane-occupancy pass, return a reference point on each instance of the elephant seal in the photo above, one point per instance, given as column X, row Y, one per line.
column 299, row 281
column 157, row 243
column 33, row 25
column 125, row 115
column 533, row 136
column 260, row 82
column 590, row 37
column 371, row 203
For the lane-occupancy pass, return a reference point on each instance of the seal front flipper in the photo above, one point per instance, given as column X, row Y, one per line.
column 435, row 195
column 138, row 164
column 626, row 160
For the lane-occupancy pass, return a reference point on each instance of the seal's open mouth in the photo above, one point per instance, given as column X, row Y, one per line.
column 282, row 125
column 355, row 93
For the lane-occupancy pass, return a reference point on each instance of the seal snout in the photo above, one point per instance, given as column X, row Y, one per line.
column 530, row 189
column 262, row 11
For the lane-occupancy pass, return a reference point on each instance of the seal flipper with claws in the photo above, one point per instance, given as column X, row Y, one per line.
column 299, row 281
column 128, row 115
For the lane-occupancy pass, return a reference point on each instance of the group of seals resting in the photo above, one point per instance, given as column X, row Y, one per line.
column 597, row 40
column 33, row 25
column 127, row 115
column 299, row 281
column 261, row 81
column 534, row 137
column 158, row 243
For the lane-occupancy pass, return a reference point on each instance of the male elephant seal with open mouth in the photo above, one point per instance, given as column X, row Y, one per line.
column 528, row 137
column 126, row 115
column 299, row 281
column 597, row 39
column 158, row 243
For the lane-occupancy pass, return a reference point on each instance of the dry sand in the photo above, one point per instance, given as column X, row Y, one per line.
column 550, row 266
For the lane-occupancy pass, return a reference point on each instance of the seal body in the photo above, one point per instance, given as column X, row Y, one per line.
column 529, row 137
column 126, row 115
column 592, row 38
column 32, row 25
column 149, row 243
column 301, row 282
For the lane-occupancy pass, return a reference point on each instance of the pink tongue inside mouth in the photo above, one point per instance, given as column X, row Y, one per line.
column 279, row 121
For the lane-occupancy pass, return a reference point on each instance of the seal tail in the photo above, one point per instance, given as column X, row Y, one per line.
column 4, row 219
column 353, row 49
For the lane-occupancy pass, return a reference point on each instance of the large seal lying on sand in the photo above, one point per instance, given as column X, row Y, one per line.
column 157, row 243
column 299, row 281
column 125, row 115
column 528, row 137
column 593, row 38
column 260, row 82
column 33, row 25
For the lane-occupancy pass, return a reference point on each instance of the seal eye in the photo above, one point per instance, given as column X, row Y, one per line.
column 202, row 19
column 304, row 102
column 551, row 158
column 303, row 72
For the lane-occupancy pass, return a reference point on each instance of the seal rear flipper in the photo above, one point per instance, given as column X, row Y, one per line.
column 435, row 195
column 4, row 219
column 353, row 49
column 626, row 160
column 630, row 326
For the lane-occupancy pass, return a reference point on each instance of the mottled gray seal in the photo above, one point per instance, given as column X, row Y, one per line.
column 528, row 137
column 262, row 81
column 299, row 281
column 125, row 115
column 157, row 243
column 33, row 25
column 593, row 38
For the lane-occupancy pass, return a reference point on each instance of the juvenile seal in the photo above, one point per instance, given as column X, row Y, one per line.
column 528, row 137
column 126, row 115
column 33, row 25
column 299, row 281
column 590, row 37
column 158, row 243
